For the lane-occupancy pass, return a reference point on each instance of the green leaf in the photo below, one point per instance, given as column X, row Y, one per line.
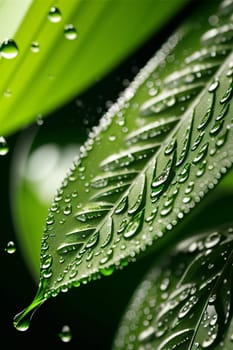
column 150, row 161
column 50, row 54
column 185, row 301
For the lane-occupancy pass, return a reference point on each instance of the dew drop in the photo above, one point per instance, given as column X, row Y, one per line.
column 10, row 247
column 112, row 138
column 159, row 182
column 22, row 320
column 186, row 143
column 202, row 168
column 213, row 86
column 146, row 335
column 184, row 174
column 35, row 47
column 4, row 149
column 122, row 205
column 138, row 195
column 70, row 32
column 9, row 49
column 228, row 94
column 47, row 262
column 107, row 257
column 201, row 154
column 207, row 116
column 217, row 127
column 65, row 334
column 170, row 147
column 222, row 139
column 108, row 271
column 107, row 231
column 152, row 216
column 198, row 140
column 223, row 112
column 133, row 226
column 54, row 15
column 93, row 240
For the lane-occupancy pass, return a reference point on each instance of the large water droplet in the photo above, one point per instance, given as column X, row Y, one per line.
column 201, row 154
column 133, row 226
column 213, row 86
column 22, row 320
column 122, row 205
column 9, row 49
column 161, row 181
column 170, row 147
column 65, row 335
column 138, row 195
column 54, row 15
column 146, row 335
column 186, row 143
column 10, row 247
column 208, row 114
column 70, row 32
column 107, row 231
column 228, row 93
column 107, row 271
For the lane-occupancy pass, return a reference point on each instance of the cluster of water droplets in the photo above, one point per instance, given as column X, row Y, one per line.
column 177, row 305
column 55, row 16
column 9, row 48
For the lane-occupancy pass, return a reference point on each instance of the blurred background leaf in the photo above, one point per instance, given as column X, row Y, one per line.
column 50, row 53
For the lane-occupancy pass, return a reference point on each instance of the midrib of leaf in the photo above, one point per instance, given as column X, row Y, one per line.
column 67, row 256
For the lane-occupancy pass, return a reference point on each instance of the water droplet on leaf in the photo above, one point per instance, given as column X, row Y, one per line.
column 9, row 49
column 35, row 46
column 54, row 15
column 70, row 32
